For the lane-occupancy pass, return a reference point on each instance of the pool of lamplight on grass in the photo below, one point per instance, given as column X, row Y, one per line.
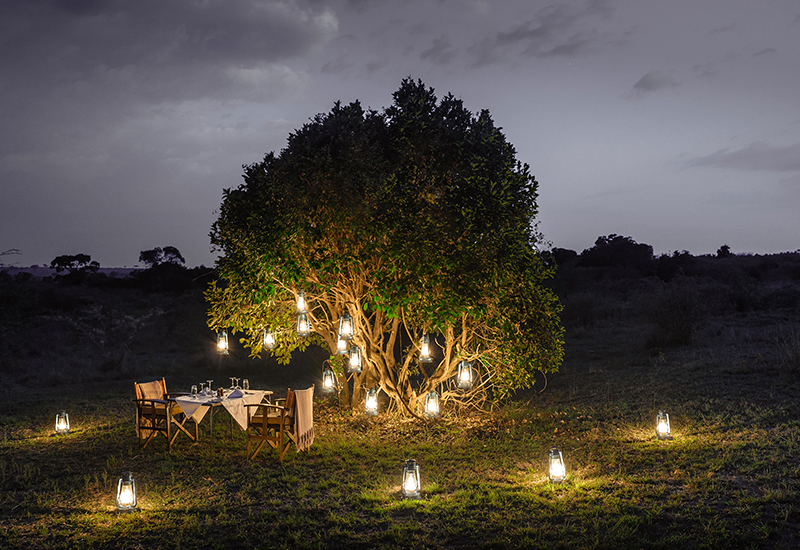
column 728, row 478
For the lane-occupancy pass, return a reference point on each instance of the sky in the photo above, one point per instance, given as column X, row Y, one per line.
column 676, row 123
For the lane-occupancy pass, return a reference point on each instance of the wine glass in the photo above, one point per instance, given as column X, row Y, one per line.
column 202, row 390
column 209, row 386
column 246, row 384
column 233, row 383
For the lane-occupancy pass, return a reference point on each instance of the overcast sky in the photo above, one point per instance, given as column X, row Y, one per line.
column 674, row 122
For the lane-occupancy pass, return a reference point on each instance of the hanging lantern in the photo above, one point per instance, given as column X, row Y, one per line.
column 126, row 493
column 425, row 350
column 346, row 327
column 269, row 339
column 432, row 405
column 62, row 423
column 662, row 425
column 222, row 341
column 411, row 485
column 341, row 347
column 354, row 361
column 303, row 328
column 464, row 376
column 371, row 403
column 558, row 471
column 328, row 379
column 302, row 306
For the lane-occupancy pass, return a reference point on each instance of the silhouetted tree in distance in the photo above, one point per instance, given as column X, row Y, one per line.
column 158, row 255
column 617, row 251
column 724, row 251
column 79, row 263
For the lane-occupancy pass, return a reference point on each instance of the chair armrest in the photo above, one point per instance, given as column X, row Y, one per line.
column 158, row 401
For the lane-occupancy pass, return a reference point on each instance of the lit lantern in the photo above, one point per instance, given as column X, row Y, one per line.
column 269, row 339
column 662, row 425
column 346, row 327
column 432, row 405
column 464, row 376
column 371, row 403
column 425, row 350
column 411, row 483
column 341, row 347
column 302, row 306
column 558, row 471
column 62, row 423
column 328, row 379
column 303, row 328
column 354, row 361
column 222, row 341
column 126, row 493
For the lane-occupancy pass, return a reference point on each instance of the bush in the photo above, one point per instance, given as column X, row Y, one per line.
column 676, row 313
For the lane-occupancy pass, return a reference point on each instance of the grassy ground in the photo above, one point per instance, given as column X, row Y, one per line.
column 729, row 478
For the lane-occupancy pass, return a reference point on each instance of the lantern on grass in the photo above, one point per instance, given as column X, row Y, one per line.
column 62, row 423
column 126, row 493
column 328, row 379
column 410, row 487
column 302, row 306
column 346, row 327
column 269, row 339
column 464, row 375
column 431, row 404
column 303, row 327
column 662, row 425
column 222, row 341
column 425, row 350
column 371, row 403
column 558, row 472
column 354, row 359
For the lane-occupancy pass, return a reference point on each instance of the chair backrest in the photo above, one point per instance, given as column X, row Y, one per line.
column 151, row 390
column 289, row 403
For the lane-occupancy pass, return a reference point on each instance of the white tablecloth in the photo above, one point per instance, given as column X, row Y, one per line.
column 196, row 406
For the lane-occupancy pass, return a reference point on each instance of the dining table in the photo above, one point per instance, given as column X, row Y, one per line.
column 234, row 400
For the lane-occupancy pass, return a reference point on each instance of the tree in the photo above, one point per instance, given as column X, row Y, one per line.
column 77, row 264
column 157, row 256
column 617, row 251
column 414, row 220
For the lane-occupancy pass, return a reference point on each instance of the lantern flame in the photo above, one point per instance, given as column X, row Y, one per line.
column 126, row 496
column 410, row 483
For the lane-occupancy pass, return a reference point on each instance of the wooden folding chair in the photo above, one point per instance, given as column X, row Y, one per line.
column 155, row 414
column 274, row 424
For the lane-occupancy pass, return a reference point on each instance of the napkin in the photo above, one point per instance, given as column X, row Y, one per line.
column 235, row 393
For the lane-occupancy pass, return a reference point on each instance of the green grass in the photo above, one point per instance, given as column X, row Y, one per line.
column 728, row 479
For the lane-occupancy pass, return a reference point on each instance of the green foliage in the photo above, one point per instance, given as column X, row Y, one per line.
column 415, row 219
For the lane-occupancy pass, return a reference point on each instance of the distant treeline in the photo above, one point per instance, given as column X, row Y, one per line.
column 618, row 257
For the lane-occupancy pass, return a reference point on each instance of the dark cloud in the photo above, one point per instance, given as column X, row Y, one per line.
column 557, row 30
column 726, row 28
column 652, row 82
column 765, row 51
column 441, row 51
column 159, row 49
column 755, row 156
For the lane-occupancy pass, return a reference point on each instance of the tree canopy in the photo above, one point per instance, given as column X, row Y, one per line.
column 414, row 220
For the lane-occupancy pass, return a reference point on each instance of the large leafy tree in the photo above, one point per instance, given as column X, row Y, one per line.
column 414, row 220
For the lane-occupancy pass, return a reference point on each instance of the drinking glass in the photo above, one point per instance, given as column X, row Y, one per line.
column 194, row 390
column 233, row 383
column 202, row 390
column 246, row 384
column 209, row 385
